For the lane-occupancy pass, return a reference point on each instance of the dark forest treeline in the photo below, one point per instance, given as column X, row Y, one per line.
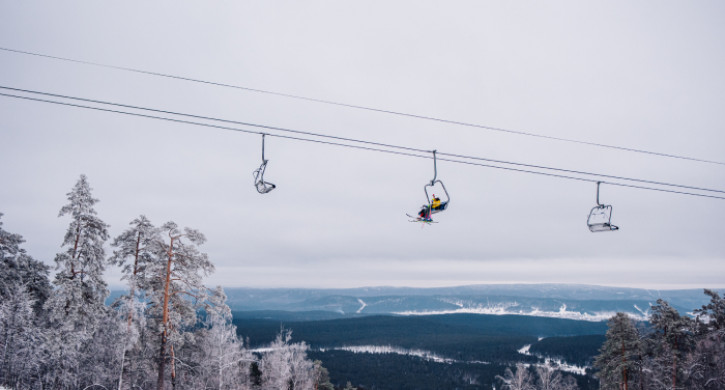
column 465, row 337
column 479, row 348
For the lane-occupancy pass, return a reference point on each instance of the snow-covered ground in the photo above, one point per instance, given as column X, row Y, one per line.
column 555, row 363
column 430, row 356
column 508, row 310
column 389, row 349
column 433, row 357
column 363, row 304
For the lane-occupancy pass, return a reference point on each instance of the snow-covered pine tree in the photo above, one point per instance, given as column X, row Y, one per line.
column 178, row 292
column 21, row 340
column 24, row 287
column 77, row 305
column 223, row 362
column 670, row 342
column 136, row 251
column 80, row 288
column 708, row 358
column 18, row 268
column 619, row 356
column 137, row 248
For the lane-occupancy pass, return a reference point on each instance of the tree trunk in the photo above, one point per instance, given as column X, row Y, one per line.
column 641, row 377
column 5, row 354
column 120, row 376
column 624, row 368
column 132, row 294
column 165, row 318
column 674, row 366
column 173, row 367
column 221, row 378
column 75, row 250
column 162, row 362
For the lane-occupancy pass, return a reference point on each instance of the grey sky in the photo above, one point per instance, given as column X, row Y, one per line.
column 645, row 75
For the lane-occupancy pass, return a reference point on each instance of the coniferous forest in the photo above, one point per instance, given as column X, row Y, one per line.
column 170, row 331
column 670, row 351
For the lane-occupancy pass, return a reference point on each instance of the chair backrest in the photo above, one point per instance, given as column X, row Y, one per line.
column 263, row 187
column 428, row 194
column 600, row 219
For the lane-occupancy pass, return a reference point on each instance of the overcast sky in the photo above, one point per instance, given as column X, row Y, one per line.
column 646, row 75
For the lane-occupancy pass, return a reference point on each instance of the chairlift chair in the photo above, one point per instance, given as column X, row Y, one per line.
column 262, row 186
column 444, row 203
column 427, row 210
column 600, row 217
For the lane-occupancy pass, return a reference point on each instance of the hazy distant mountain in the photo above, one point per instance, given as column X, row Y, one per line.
column 582, row 302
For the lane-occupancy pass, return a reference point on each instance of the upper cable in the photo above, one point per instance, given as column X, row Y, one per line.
column 372, row 109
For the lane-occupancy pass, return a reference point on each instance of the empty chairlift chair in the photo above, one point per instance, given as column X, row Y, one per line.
column 262, row 186
column 600, row 217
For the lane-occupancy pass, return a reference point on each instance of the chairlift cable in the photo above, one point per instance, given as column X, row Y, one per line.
column 212, row 119
column 411, row 149
column 584, row 173
column 366, row 108
column 369, row 148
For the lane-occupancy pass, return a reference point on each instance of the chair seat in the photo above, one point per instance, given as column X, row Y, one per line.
column 602, row 227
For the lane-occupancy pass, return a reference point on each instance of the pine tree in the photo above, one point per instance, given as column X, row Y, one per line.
column 18, row 268
column 177, row 292
column 24, row 287
column 77, row 305
column 81, row 289
column 21, row 339
column 223, row 360
column 137, row 248
column 618, row 358
column 709, row 355
column 136, row 251
column 672, row 339
column 322, row 377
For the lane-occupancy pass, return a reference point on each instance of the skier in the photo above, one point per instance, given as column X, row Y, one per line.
column 425, row 210
column 436, row 203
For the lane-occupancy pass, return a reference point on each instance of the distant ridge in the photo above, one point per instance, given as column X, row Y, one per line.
column 571, row 301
